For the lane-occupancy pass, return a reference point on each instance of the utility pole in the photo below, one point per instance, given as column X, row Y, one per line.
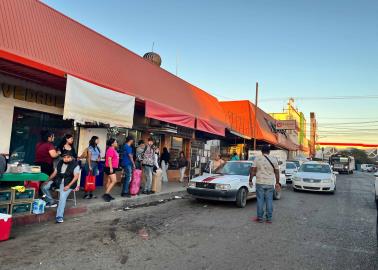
column 255, row 124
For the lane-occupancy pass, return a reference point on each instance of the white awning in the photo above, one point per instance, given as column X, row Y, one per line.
column 87, row 102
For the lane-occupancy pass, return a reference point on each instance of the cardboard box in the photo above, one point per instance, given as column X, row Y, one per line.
column 4, row 208
column 20, row 209
column 5, row 196
column 26, row 196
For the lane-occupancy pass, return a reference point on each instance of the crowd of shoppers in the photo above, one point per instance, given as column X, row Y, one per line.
column 64, row 166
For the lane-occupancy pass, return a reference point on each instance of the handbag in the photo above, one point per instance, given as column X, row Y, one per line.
column 90, row 183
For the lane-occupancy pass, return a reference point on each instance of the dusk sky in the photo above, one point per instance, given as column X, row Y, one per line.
column 294, row 48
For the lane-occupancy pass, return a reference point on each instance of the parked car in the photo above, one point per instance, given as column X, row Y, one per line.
column 290, row 169
column 315, row 176
column 368, row 168
column 229, row 183
column 376, row 200
column 376, row 188
column 296, row 162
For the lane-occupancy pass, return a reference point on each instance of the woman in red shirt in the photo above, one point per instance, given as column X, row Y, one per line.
column 45, row 152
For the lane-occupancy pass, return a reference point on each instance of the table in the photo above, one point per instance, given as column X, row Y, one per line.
column 19, row 177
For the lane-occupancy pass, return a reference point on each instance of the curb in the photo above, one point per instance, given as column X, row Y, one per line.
column 134, row 201
column 94, row 208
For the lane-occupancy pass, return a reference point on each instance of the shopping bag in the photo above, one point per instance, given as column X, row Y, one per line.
column 90, row 183
column 135, row 182
column 156, row 181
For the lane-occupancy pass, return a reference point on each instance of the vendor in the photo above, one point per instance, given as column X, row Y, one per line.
column 45, row 152
column 217, row 163
column 64, row 178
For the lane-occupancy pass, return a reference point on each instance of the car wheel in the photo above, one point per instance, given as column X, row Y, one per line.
column 241, row 198
column 276, row 195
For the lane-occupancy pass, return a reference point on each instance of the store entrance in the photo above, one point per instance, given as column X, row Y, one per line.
column 26, row 129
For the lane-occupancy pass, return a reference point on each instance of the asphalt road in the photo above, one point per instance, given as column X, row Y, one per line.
column 310, row 231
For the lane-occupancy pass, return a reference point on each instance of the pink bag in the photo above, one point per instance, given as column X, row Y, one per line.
column 135, row 182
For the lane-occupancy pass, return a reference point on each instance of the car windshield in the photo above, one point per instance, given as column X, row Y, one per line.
column 291, row 166
column 235, row 168
column 315, row 168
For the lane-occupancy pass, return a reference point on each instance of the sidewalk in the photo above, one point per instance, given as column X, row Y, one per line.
column 83, row 206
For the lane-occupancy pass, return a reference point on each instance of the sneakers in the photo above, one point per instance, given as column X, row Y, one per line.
column 257, row 219
column 59, row 220
column 51, row 205
column 86, row 196
column 268, row 221
column 106, row 197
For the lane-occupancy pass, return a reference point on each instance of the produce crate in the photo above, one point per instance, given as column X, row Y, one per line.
column 26, row 196
column 19, row 209
column 5, row 196
column 4, row 208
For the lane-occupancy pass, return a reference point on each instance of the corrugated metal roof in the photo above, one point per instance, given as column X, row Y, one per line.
column 36, row 35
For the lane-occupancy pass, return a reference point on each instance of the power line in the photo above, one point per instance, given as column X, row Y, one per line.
column 322, row 98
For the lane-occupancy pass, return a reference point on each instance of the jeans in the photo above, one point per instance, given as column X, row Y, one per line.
column 126, row 181
column 147, row 170
column 63, row 195
column 182, row 173
column 164, row 168
column 264, row 194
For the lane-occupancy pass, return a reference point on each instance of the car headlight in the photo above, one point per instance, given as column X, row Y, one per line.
column 222, row 186
column 192, row 184
column 327, row 180
column 296, row 178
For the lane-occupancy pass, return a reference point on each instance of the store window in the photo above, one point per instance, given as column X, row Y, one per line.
column 26, row 130
column 176, row 147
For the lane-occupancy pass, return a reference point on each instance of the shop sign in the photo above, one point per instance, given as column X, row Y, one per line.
column 286, row 124
column 30, row 95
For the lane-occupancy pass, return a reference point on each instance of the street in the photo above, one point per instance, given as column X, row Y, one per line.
column 309, row 231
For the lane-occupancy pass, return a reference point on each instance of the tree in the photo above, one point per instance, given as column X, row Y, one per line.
column 360, row 156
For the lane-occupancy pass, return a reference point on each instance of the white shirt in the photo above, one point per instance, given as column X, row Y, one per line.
column 265, row 173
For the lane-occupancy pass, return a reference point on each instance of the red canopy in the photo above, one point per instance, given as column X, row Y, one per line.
column 38, row 36
column 241, row 116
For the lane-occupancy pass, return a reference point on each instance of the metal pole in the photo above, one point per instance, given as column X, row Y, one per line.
column 255, row 124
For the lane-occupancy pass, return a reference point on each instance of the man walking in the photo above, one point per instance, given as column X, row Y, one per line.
column 128, row 165
column 266, row 170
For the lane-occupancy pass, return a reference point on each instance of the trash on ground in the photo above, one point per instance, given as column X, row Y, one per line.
column 178, row 197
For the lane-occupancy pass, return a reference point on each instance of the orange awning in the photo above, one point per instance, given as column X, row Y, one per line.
column 40, row 37
column 241, row 118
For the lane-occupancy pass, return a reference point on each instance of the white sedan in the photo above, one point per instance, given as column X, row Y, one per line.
column 290, row 169
column 315, row 176
column 229, row 183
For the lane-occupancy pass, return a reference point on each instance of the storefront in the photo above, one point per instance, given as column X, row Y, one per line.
column 27, row 108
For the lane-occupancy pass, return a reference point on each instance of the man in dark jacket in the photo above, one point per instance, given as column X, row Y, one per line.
column 64, row 178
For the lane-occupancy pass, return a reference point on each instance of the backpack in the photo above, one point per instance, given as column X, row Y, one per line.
column 148, row 156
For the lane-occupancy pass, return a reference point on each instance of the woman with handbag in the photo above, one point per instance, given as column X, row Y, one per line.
column 93, row 157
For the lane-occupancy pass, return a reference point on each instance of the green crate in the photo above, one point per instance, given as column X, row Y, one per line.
column 18, row 209
column 26, row 196
column 4, row 208
column 5, row 196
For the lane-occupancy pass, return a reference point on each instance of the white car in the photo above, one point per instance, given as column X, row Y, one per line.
column 229, row 183
column 315, row 176
column 290, row 169
column 376, row 188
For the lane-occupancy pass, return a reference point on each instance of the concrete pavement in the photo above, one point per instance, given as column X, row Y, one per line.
column 310, row 231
